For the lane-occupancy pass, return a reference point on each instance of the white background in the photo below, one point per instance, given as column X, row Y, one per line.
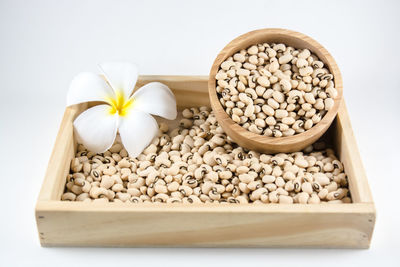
column 43, row 44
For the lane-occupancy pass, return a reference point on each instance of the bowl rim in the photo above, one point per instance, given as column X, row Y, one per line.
column 316, row 48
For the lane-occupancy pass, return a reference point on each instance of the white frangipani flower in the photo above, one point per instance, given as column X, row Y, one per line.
column 97, row 127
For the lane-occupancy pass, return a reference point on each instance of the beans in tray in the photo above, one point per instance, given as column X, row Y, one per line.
column 198, row 163
column 275, row 90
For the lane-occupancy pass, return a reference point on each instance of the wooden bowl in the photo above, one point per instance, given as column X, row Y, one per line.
column 262, row 143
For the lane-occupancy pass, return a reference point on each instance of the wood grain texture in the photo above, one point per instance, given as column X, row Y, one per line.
column 205, row 225
column 60, row 159
column 63, row 223
column 347, row 150
column 262, row 143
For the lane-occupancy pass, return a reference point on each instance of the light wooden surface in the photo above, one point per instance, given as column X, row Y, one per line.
column 206, row 225
column 346, row 148
column 202, row 225
column 264, row 143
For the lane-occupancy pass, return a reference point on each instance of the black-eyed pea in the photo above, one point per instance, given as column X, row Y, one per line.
column 100, row 200
column 337, row 165
column 226, row 65
column 117, row 187
column 346, row 200
column 276, row 160
column 277, row 133
column 197, row 191
column 163, row 127
column 314, row 199
column 253, row 59
column 82, row 197
column 76, row 189
column 68, row 196
column 135, row 199
column 214, row 195
column 173, row 186
column 124, row 163
column 281, row 191
column 286, row 58
column 302, row 198
column 211, row 176
column 321, row 178
column 271, row 187
column 134, row 192
column 333, row 186
column 98, row 192
column 116, row 148
column 192, row 199
column 297, row 185
column 246, row 178
column 145, row 198
column 256, row 194
column 229, row 187
column 225, row 175
column 150, row 191
column 328, row 103
column 264, row 198
column 322, row 194
column 116, row 156
column 289, row 175
column 301, row 162
column 95, row 184
column 77, row 178
column 277, row 171
column 239, row 57
column 242, row 199
column 255, row 129
column 254, row 185
column 280, row 182
column 273, row 103
column 86, row 187
column 316, row 186
column 109, row 170
column 289, row 186
column 87, row 167
column 331, row 92
column 243, row 188
column 125, row 172
column 253, row 50
column 174, row 200
column 307, row 188
column 281, row 113
column 185, row 190
column 319, row 104
column 285, row 199
column 160, row 188
column 268, row 110
column 124, row 197
column 161, row 198
column 273, row 197
column 249, row 66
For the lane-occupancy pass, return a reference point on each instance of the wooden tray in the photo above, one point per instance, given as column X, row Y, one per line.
column 63, row 223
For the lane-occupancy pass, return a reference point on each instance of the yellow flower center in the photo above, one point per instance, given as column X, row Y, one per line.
column 120, row 104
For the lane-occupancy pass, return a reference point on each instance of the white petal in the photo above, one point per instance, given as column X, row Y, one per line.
column 137, row 129
column 86, row 87
column 157, row 99
column 96, row 128
column 122, row 76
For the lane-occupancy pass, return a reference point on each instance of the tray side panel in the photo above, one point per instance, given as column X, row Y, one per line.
column 60, row 159
column 347, row 150
column 190, row 91
column 345, row 226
